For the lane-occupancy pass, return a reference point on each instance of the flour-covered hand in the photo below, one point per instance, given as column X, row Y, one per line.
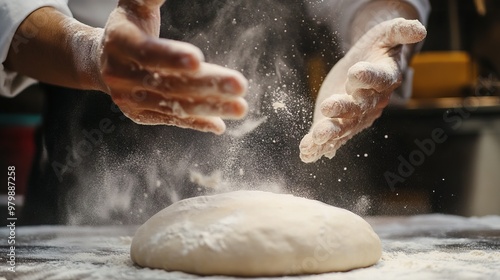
column 359, row 86
column 161, row 81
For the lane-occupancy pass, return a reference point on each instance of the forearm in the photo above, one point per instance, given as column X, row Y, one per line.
column 58, row 51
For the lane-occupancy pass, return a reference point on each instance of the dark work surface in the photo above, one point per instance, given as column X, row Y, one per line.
column 425, row 246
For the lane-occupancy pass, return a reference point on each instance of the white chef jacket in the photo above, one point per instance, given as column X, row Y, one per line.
column 95, row 13
column 12, row 13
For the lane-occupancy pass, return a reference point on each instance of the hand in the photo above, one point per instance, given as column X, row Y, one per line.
column 160, row 81
column 359, row 86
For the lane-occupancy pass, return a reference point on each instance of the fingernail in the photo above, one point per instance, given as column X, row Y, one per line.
column 188, row 62
column 307, row 145
column 308, row 158
column 324, row 131
column 328, row 109
column 230, row 86
column 330, row 155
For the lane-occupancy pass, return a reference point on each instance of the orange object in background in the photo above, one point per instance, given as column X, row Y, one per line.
column 442, row 74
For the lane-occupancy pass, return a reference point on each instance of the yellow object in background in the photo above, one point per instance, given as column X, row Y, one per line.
column 442, row 74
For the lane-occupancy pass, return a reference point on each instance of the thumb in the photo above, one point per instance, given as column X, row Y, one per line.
column 395, row 32
column 378, row 76
column 136, row 17
column 141, row 5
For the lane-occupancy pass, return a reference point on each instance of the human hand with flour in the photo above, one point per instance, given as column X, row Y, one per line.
column 152, row 80
column 160, row 81
column 359, row 86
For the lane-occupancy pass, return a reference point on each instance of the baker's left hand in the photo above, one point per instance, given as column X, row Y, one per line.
column 359, row 86
column 161, row 81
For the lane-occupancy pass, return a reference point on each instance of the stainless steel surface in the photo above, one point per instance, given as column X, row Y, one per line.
column 417, row 247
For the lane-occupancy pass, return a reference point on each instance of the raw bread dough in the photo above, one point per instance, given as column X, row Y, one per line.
column 254, row 233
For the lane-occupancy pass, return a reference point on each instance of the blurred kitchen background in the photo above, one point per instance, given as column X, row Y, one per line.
column 456, row 87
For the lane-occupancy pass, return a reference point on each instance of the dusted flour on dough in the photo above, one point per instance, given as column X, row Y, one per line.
column 254, row 233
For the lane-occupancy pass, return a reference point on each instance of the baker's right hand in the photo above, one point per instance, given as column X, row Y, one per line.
column 161, row 81
column 359, row 86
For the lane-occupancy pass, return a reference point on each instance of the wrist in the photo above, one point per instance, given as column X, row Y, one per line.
column 93, row 76
column 85, row 46
column 375, row 12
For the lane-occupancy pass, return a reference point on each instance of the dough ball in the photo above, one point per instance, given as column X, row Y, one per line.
column 255, row 233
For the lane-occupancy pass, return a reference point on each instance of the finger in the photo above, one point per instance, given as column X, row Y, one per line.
column 210, row 80
column 328, row 129
column 378, row 76
column 309, row 150
column 330, row 154
column 307, row 146
column 309, row 158
column 133, row 29
column 325, row 130
column 158, row 53
column 149, row 52
column 328, row 150
column 140, row 99
column 340, row 106
column 141, row 6
column 401, row 31
column 226, row 108
column 204, row 124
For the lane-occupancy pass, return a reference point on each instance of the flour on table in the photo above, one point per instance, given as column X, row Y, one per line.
column 417, row 247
